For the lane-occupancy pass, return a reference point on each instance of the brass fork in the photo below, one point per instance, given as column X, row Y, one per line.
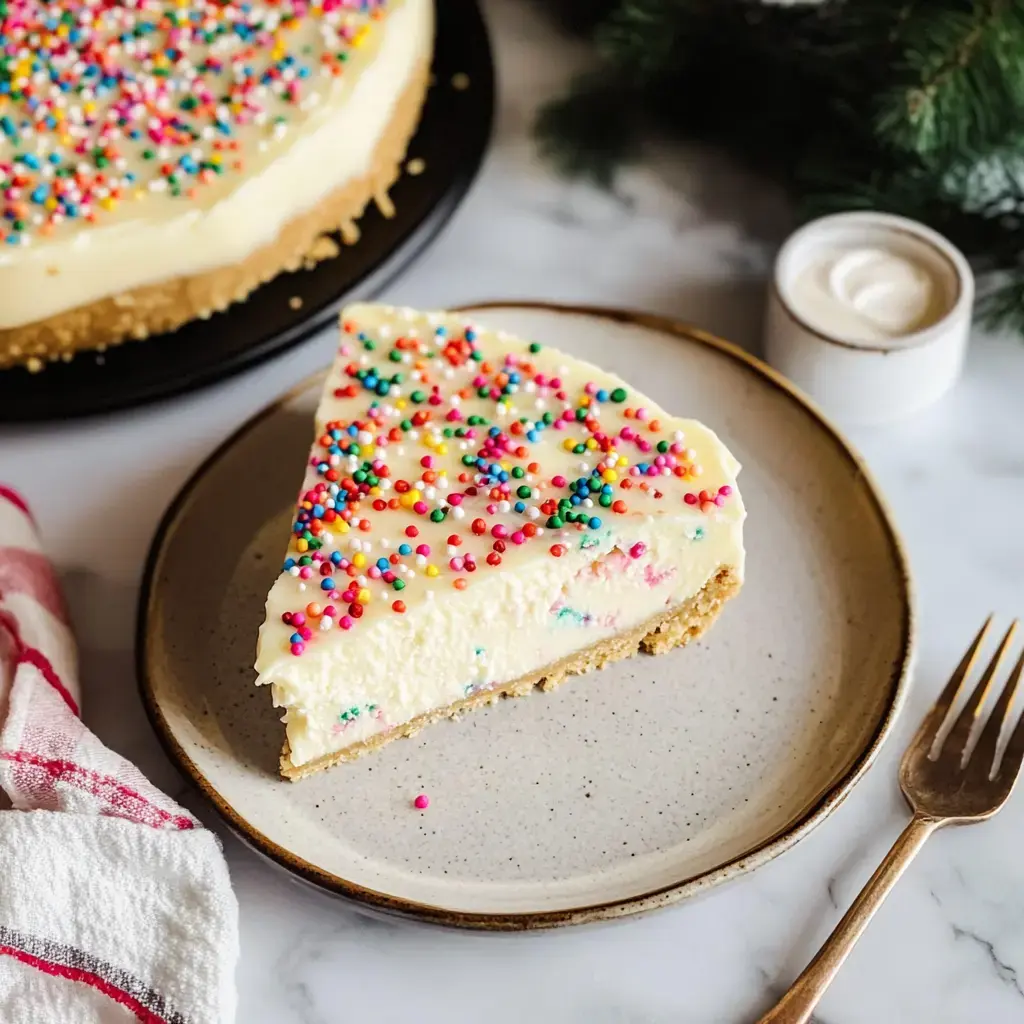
column 946, row 782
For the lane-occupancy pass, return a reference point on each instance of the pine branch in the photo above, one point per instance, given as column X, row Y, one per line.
column 644, row 40
column 959, row 82
column 592, row 131
column 676, row 61
column 915, row 107
column 579, row 16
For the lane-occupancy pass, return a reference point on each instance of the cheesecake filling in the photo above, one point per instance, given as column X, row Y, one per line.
column 289, row 167
column 453, row 644
column 477, row 510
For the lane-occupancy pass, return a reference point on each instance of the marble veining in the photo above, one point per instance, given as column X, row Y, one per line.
column 686, row 236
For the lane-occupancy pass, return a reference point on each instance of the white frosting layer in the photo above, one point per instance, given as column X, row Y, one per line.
column 161, row 238
column 618, row 569
column 505, row 627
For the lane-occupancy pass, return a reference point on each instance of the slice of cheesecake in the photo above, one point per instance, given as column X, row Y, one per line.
column 481, row 515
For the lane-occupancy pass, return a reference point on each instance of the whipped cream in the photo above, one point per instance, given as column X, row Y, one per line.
column 867, row 293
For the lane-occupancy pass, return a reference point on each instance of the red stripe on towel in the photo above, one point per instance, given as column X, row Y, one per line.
column 10, row 494
column 35, row 657
column 30, row 573
column 119, row 996
column 123, row 799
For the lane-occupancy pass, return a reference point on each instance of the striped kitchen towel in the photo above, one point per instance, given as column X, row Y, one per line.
column 115, row 903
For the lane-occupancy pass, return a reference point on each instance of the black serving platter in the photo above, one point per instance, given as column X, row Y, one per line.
column 449, row 146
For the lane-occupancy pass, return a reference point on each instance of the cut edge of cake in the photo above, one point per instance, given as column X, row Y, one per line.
column 659, row 635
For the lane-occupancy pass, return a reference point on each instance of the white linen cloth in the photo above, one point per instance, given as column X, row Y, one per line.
column 115, row 903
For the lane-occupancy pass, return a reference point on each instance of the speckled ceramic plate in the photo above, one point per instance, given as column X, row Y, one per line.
column 620, row 792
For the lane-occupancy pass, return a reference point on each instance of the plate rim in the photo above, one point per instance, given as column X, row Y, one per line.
column 766, row 850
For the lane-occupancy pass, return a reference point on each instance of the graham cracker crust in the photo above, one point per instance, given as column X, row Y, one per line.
column 156, row 308
column 675, row 628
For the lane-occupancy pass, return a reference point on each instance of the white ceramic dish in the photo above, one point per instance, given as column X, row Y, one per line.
column 620, row 792
column 870, row 382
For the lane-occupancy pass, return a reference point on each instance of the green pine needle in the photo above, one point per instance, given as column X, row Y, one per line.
column 1001, row 306
column 958, row 82
column 591, row 132
column 911, row 106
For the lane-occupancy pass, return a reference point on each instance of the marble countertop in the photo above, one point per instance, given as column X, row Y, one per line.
column 687, row 235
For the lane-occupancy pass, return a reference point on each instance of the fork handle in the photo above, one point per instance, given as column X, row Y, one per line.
column 798, row 1003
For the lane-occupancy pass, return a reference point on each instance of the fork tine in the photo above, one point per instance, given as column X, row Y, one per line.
column 1014, row 753
column 937, row 715
column 958, row 736
column 984, row 753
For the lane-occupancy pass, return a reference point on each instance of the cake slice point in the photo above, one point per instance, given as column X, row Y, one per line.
column 481, row 515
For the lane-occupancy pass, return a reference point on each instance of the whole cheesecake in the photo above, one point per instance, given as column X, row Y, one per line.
column 481, row 515
column 160, row 159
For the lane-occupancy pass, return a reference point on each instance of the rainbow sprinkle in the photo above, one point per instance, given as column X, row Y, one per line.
column 104, row 102
column 479, row 488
